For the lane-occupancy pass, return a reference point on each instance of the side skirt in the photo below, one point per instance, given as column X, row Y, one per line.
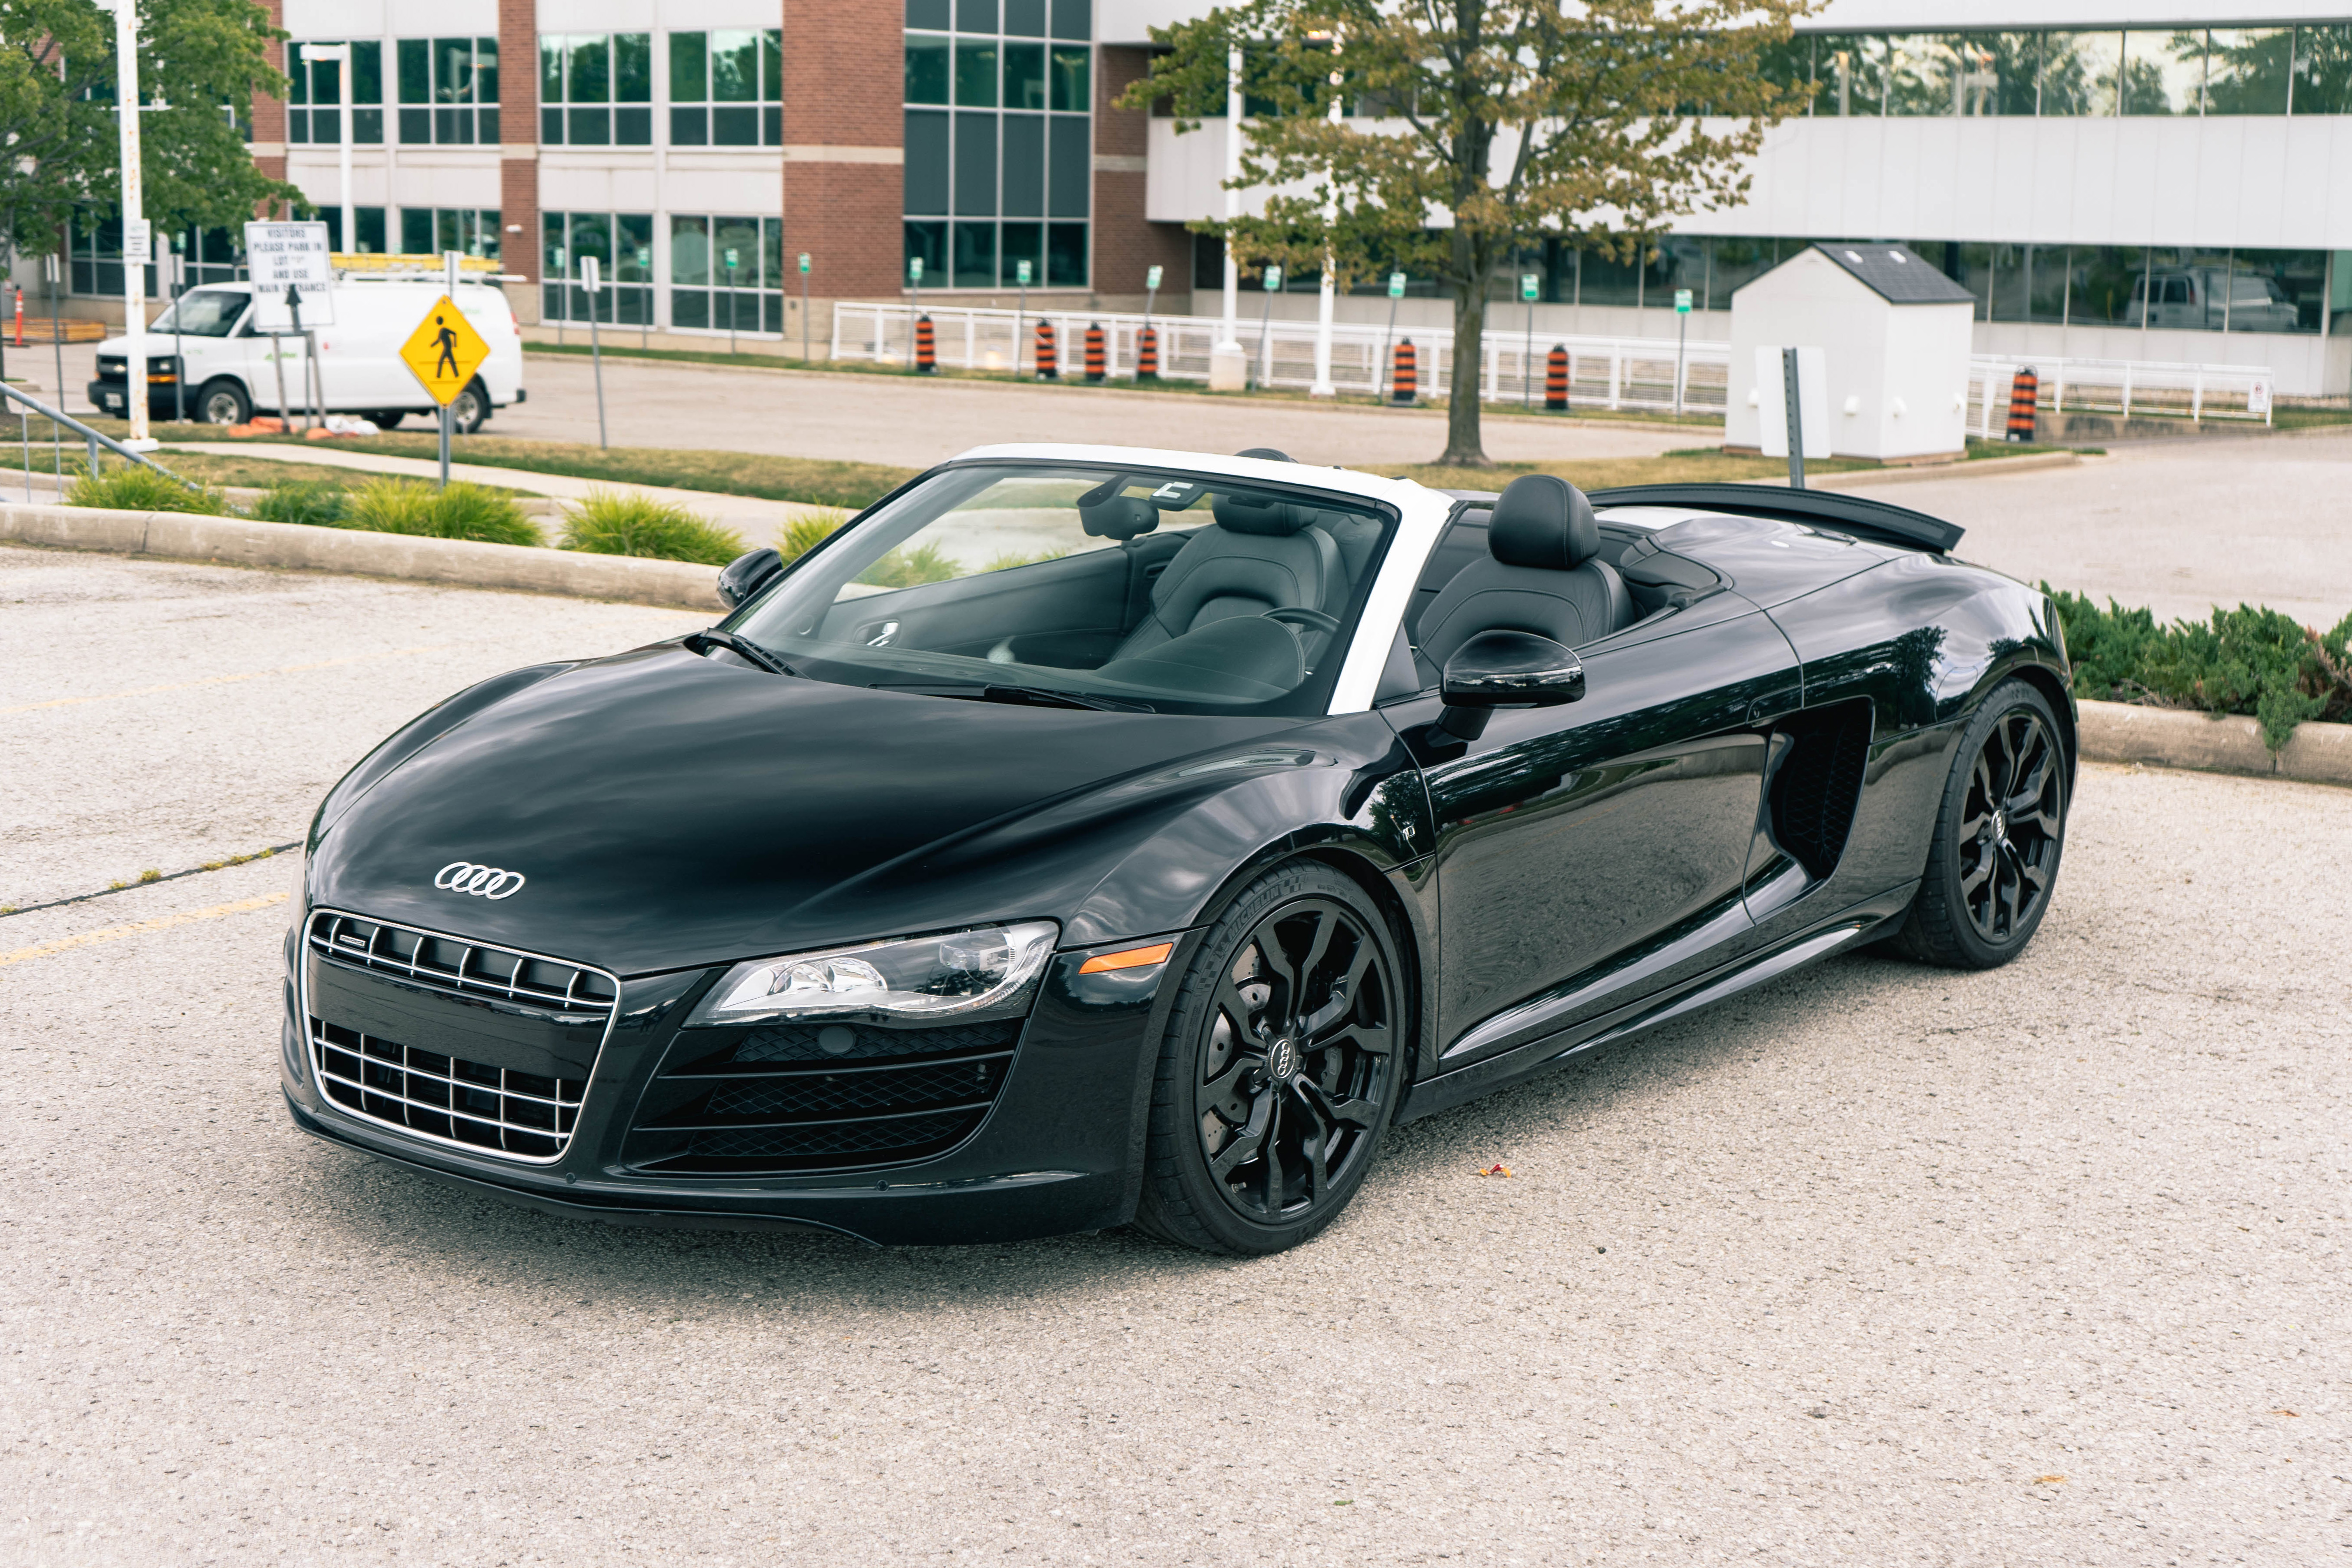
column 1830, row 934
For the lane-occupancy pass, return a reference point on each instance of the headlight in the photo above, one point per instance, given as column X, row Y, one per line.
column 991, row 970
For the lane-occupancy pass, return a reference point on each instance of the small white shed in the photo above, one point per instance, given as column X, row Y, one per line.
column 1896, row 333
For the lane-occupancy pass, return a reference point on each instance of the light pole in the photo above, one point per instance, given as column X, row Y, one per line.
column 339, row 55
column 1228, row 367
column 1328, row 303
column 137, row 246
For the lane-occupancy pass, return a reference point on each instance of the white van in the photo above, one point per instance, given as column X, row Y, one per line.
column 231, row 374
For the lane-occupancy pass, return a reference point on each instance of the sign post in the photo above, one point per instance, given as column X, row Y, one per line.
column 1380, row 370
column 175, row 286
column 443, row 353
column 915, row 303
column 733, row 257
column 1530, row 285
column 1150, row 293
column 804, row 310
column 592, row 283
column 292, row 279
column 1020, row 316
column 1265, row 320
column 136, row 238
column 1681, row 333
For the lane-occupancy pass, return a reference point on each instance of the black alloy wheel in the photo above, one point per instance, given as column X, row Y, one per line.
column 223, row 403
column 1998, row 836
column 386, row 418
column 1283, row 1062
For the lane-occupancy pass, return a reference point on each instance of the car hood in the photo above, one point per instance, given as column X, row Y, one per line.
column 667, row 810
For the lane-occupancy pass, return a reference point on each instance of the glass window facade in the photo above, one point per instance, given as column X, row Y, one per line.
column 448, row 90
column 726, row 272
column 367, row 223
column 2303, row 70
column 623, row 246
column 596, row 89
column 999, row 141
column 429, row 231
column 727, row 88
column 315, row 98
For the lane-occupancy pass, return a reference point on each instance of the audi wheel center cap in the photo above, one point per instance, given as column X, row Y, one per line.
column 1283, row 1060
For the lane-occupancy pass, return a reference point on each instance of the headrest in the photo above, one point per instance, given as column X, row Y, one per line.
column 1246, row 513
column 1544, row 522
column 1118, row 517
column 1266, row 454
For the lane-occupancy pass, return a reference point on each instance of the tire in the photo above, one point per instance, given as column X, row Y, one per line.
column 1287, row 1042
column 223, row 402
column 470, row 408
column 2001, row 829
column 386, row 418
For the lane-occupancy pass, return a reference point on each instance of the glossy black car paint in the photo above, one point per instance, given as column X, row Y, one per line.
column 1571, row 875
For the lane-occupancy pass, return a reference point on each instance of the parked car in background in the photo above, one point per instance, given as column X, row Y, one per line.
column 232, row 371
column 2210, row 300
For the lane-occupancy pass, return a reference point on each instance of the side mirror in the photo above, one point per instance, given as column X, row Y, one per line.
column 747, row 574
column 1505, row 669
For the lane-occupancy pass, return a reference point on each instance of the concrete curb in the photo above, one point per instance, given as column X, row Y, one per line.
column 676, row 585
column 2183, row 738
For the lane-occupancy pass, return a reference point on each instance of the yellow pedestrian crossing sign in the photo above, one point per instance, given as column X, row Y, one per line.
column 443, row 352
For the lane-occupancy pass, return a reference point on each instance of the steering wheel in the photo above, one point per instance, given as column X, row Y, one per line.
column 1315, row 619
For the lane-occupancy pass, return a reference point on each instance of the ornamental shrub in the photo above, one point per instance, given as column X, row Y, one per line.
column 323, row 503
column 614, row 522
column 2247, row 660
column 137, row 488
column 461, row 511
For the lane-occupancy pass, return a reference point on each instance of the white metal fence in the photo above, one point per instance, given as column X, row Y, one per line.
column 1602, row 373
column 2119, row 386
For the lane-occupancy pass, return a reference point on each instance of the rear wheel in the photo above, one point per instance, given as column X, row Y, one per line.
column 470, row 408
column 1282, row 1063
column 223, row 402
column 386, row 418
column 1999, row 834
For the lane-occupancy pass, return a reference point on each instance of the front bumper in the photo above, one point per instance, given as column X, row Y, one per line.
column 1060, row 1150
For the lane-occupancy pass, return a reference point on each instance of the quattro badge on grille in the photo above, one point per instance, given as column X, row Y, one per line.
column 482, row 881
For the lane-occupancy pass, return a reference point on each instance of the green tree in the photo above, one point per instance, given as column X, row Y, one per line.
column 201, row 65
column 1477, row 128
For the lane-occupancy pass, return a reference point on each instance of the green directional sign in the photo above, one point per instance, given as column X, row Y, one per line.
column 805, row 261
column 1023, row 272
column 1151, row 279
column 1396, row 285
column 914, row 267
column 1531, row 286
column 1273, row 278
column 1682, row 300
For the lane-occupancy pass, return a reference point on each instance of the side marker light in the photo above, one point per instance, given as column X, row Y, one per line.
column 1133, row 958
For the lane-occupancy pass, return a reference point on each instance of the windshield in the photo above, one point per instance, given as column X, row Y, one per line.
column 1173, row 592
column 203, row 313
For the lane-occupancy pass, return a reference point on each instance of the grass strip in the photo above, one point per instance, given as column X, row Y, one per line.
column 148, row 879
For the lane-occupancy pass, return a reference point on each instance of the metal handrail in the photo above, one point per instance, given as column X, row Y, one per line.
column 95, row 437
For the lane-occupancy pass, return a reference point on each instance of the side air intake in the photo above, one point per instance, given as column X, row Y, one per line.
column 1818, row 784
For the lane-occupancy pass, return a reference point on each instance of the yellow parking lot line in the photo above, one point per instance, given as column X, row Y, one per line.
column 227, row 680
column 136, row 928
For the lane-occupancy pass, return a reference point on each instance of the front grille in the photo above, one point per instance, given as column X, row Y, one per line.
column 805, row 1097
column 446, row 1098
column 483, row 1048
column 460, row 968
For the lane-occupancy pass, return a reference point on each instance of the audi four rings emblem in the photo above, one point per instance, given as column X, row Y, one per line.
column 482, row 881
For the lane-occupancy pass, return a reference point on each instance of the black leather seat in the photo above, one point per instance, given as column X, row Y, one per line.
column 1260, row 554
column 1543, row 574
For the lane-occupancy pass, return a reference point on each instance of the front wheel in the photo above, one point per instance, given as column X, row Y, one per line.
column 223, row 402
column 386, row 418
column 1282, row 1063
column 1999, row 832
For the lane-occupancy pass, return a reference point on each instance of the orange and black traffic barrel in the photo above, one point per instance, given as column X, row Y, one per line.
column 1146, row 354
column 1555, row 377
column 1405, row 380
column 926, row 350
column 1048, row 367
column 2023, row 393
column 1094, row 351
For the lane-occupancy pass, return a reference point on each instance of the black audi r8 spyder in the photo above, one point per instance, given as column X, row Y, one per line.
column 1084, row 836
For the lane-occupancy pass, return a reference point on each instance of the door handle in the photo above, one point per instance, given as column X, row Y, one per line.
column 1775, row 704
column 877, row 634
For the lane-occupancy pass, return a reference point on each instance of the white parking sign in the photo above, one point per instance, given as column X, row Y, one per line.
column 279, row 254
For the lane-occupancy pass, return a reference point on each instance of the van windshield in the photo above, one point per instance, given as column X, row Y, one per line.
column 203, row 313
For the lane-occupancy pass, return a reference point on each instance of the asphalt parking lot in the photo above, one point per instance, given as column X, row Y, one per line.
column 1876, row 1264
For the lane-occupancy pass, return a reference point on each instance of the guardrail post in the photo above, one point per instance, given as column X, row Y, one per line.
column 1616, row 378
column 2127, row 370
column 2196, row 397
